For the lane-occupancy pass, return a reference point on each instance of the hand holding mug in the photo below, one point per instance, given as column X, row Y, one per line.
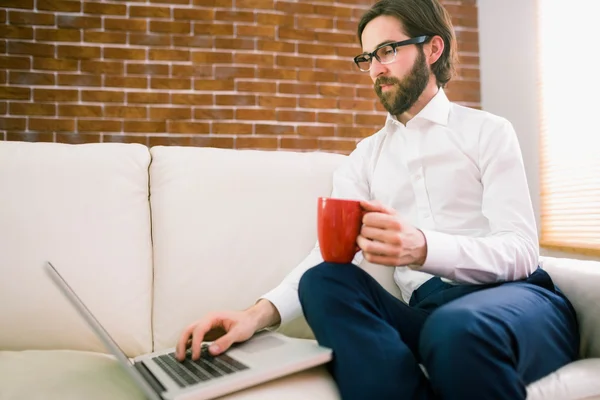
column 386, row 240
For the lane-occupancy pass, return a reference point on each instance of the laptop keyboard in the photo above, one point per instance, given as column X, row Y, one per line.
column 207, row 367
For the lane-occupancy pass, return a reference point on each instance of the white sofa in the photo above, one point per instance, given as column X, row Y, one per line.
column 154, row 239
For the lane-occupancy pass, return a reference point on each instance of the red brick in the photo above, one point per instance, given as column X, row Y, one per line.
column 368, row 93
column 277, row 101
column 16, row 32
column 254, row 30
column 254, row 142
column 104, row 9
column 295, row 8
column 337, row 145
column 126, row 81
column 356, row 105
column 169, row 55
column 344, row 117
column 192, row 14
column 30, row 137
column 102, row 96
column 316, row 130
column 234, row 44
column 213, row 29
column 347, row 25
column 211, row 3
column 257, row 87
column 98, row 125
column 275, row 46
column 205, row 84
column 354, row 78
column 30, row 18
column 125, row 112
column 193, row 41
column 296, row 34
column 170, row 27
column 263, row 18
column 79, row 111
column 107, row 67
column 298, row 143
column 211, row 57
column 192, row 99
column 58, row 5
column 293, row 61
column 232, row 128
column 164, row 113
column 143, row 11
column 28, row 4
column 145, row 39
column 188, row 127
column 31, row 49
column 274, row 129
column 238, row 16
column 77, row 138
column 57, row 35
column 297, row 116
column 321, row 49
column 234, row 72
column 344, row 12
column 31, row 78
column 316, row 76
column 124, row 54
column 78, row 21
column 128, row 24
column 235, row 100
column 192, row 71
column 55, row 95
column 338, row 65
column 308, row 102
column 51, row 124
column 54, row 64
column 213, row 113
column 32, row 109
column 7, row 124
column 314, row 22
column 78, row 52
column 14, row 93
column 79, row 80
column 336, row 90
column 355, row 131
column 348, row 51
column 297, row 88
column 254, row 4
column 144, row 126
column 277, row 73
column 369, row 119
column 148, row 69
column 171, row 83
column 147, row 97
column 254, row 114
column 105, row 37
column 10, row 62
column 119, row 138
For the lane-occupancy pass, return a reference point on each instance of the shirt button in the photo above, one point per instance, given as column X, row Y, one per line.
column 418, row 177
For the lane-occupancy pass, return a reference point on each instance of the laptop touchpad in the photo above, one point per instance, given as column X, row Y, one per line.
column 261, row 344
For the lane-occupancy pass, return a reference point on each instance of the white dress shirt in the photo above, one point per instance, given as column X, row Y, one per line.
column 457, row 174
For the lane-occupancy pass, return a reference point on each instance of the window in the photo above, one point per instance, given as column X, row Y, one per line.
column 569, row 66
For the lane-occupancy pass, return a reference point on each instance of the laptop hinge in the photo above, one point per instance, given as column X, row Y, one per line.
column 149, row 377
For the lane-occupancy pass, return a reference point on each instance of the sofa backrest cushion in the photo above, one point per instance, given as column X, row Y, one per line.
column 580, row 282
column 84, row 208
column 228, row 225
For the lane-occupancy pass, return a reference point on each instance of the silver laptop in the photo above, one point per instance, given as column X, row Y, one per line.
column 266, row 356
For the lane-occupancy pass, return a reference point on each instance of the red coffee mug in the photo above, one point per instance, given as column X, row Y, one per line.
column 338, row 225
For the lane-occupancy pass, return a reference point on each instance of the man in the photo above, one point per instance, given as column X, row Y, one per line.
column 448, row 208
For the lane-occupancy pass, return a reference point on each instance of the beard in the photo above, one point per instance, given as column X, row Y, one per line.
column 406, row 92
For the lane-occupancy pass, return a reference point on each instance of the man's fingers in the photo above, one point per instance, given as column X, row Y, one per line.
column 183, row 342
column 375, row 206
column 382, row 221
column 198, row 335
column 223, row 343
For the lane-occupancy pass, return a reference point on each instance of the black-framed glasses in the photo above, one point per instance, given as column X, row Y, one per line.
column 386, row 53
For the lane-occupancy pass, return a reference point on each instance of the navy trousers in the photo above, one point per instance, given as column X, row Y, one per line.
column 475, row 341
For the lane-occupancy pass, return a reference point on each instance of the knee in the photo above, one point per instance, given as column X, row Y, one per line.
column 321, row 279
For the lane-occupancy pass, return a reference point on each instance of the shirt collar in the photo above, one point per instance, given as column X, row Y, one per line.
column 436, row 111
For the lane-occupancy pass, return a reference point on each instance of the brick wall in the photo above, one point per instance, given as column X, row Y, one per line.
column 224, row 73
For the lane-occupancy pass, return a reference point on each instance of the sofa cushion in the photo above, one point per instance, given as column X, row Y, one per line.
column 578, row 380
column 228, row 225
column 84, row 208
column 64, row 375
column 580, row 282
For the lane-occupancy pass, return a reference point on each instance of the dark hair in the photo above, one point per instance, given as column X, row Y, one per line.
column 420, row 17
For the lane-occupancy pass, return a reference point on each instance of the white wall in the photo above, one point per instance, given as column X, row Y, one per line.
column 508, row 63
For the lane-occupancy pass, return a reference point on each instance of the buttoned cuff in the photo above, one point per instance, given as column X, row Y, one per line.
column 286, row 301
column 442, row 254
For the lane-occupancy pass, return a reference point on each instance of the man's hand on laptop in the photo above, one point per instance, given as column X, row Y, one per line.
column 226, row 328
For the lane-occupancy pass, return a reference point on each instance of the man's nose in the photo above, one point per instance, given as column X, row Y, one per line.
column 376, row 69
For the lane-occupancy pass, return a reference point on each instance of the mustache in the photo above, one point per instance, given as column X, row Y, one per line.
column 385, row 80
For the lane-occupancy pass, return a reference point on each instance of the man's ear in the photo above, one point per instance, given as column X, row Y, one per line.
column 435, row 49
